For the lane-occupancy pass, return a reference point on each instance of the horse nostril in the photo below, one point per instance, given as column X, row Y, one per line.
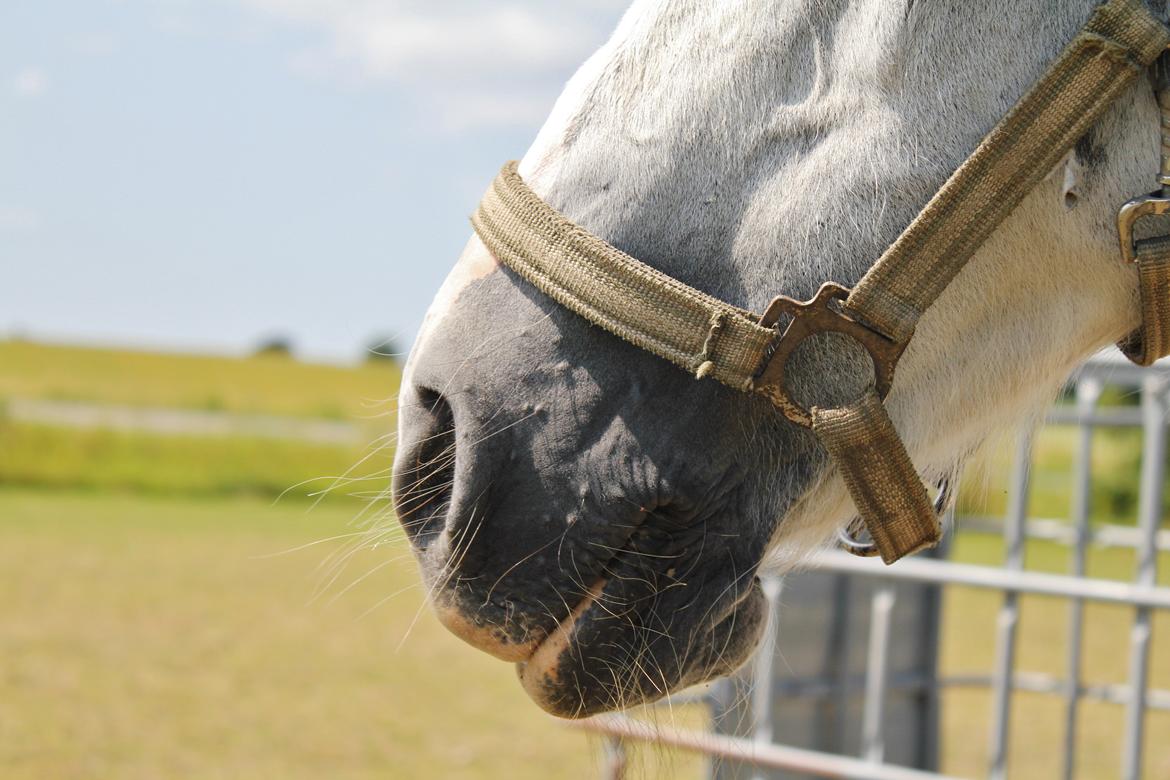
column 424, row 472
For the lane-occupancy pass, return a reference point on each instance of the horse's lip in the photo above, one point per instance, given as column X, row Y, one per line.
column 486, row 638
column 541, row 665
column 542, row 660
column 563, row 677
column 492, row 641
column 536, row 649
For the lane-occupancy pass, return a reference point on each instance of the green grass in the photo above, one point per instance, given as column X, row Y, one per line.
column 267, row 384
column 148, row 637
column 162, row 637
column 365, row 393
column 44, row 456
column 100, row 460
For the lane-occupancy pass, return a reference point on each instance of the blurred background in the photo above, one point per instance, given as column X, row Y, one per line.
column 221, row 222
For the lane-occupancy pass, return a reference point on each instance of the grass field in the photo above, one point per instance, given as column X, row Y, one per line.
column 165, row 616
column 268, row 384
column 46, row 457
column 42, row 456
column 151, row 638
column 155, row 637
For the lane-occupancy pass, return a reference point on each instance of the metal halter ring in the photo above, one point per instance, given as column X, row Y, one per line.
column 808, row 319
column 848, row 538
column 1155, row 204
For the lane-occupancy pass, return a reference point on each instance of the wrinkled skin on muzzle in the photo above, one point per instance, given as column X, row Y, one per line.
column 578, row 506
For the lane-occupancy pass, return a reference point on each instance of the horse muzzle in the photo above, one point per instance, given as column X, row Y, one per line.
column 603, row 603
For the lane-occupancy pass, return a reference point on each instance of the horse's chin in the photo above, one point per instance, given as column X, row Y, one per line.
column 575, row 673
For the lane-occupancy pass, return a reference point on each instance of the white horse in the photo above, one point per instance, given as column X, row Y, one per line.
column 587, row 510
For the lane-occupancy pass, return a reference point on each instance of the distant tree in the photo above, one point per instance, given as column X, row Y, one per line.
column 383, row 348
column 274, row 346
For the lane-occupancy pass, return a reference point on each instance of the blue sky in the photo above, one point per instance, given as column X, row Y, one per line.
column 198, row 174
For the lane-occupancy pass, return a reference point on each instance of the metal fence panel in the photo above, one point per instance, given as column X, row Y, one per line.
column 842, row 643
column 846, row 683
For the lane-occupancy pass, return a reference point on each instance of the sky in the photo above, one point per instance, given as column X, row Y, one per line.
column 205, row 174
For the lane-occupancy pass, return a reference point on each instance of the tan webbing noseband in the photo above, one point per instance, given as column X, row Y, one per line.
column 748, row 352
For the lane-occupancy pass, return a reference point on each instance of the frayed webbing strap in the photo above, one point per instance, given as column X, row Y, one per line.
column 1152, row 339
column 1120, row 40
column 881, row 479
column 609, row 288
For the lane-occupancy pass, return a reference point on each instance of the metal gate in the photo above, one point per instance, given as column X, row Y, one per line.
column 846, row 681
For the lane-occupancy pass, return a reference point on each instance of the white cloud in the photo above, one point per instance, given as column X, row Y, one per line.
column 475, row 62
column 30, row 82
column 19, row 219
column 95, row 44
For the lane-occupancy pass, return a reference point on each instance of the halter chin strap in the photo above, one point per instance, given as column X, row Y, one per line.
column 749, row 353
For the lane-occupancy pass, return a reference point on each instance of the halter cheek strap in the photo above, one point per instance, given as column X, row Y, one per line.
column 1152, row 338
column 711, row 338
column 1151, row 255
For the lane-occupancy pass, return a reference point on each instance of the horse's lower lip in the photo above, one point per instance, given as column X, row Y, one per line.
column 581, row 668
column 542, row 664
column 488, row 639
column 492, row 641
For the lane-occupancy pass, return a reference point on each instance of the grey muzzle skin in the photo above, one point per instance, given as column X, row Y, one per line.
column 588, row 516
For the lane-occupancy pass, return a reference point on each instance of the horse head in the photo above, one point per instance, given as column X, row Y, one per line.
column 590, row 512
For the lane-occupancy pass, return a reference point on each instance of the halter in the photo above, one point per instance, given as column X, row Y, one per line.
column 749, row 352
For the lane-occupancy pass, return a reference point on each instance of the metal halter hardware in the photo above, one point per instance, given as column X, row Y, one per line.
column 821, row 314
column 1157, row 203
column 850, row 538
column 1151, row 253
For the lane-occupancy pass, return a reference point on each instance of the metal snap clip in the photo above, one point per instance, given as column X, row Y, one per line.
column 855, row 540
column 1155, row 204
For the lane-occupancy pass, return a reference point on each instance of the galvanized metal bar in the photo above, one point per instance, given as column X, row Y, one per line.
column 1053, row 530
column 1033, row 682
column 877, row 674
column 1149, row 516
column 773, row 756
column 1009, row 613
column 992, row 578
column 616, row 758
column 1114, row 418
column 1039, row 682
column 763, row 668
column 1088, row 391
column 834, row 710
column 929, row 646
